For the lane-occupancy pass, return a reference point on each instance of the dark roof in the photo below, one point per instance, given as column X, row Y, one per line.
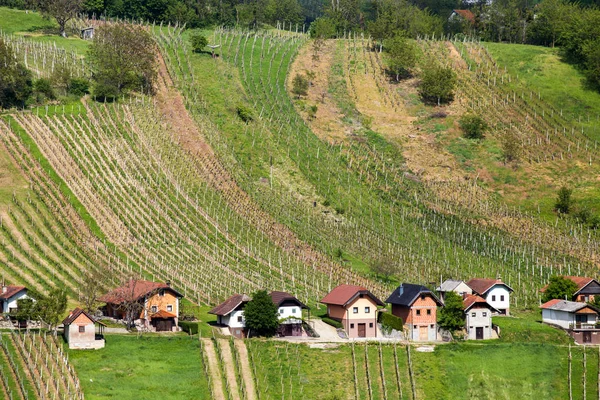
column 230, row 304
column 481, row 286
column 10, row 291
column 407, row 293
column 344, row 294
column 280, row 297
column 473, row 299
column 134, row 290
column 76, row 313
column 466, row 14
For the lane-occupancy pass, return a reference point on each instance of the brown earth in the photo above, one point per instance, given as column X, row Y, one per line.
column 213, row 369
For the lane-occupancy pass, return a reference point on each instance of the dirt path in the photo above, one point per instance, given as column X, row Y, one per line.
column 214, row 370
column 246, row 369
column 229, row 366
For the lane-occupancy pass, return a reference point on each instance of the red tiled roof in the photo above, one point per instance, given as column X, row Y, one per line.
column 481, row 286
column 280, row 297
column 163, row 314
column 230, row 304
column 580, row 281
column 466, row 14
column 134, row 290
column 472, row 299
column 76, row 313
column 550, row 303
column 10, row 291
column 343, row 294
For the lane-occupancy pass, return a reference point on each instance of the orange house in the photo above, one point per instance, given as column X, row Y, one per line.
column 356, row 308
column 154, row 305
column 417, row 306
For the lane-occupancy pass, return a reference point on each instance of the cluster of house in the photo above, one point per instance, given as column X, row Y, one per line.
column 580, row 319
column 356, row 308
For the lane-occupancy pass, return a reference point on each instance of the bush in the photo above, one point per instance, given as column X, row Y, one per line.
column 79, row 87
column 437, row 84
column 105, row 92
column 473, row 126
column 44, row 87
column 244, row 113
column 332, row 322
column 190, row 327
column 300, row 85
column 564, row 202
column 199, row 42
column 389, row 322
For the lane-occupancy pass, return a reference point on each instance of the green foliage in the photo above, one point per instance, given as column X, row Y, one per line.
column 300, row 85
column 564, row 202
column 391, row 15
column 61, row 10
column 402, row 55
column 437, row 84
column 473, row 126
column 332, row 322
column 79, row 87
column 312, row 111
column 26, row 310
column 389, row 322
column 15, row 80
column 189, row 327
column 323, row 28
column 43, row 87
column 245, row 113
column 261, row 315
column 50, row 308
column 198, row 42
column 559, row 288
column 510, row 148
column 105, row 92
column 452, row 315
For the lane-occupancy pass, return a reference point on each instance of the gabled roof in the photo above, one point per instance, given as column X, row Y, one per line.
column 565, row 305
column 345, row 294
column 448, row 285
column 280, row 297
column 481, row 286
column 407, row 293
column 162, row 314
column 230, row 304
column 135, row 290
column 76, row 313
column 466, row 14
column 10, row 291
column 472, row 300
column 580, row 281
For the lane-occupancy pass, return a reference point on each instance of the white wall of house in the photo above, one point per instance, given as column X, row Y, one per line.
column 232, row 320
column 556, row 317
column 11, row 302
column 290, row 312
column 499, row 298
column 478, row 318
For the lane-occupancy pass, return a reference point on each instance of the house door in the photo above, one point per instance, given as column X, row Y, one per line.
column 587, row 337
column 423, row 334
column 362, row 330
column 164, row 325
column 479, row 333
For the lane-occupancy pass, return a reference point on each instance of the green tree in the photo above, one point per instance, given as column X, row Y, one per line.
column 122, row 58
column 437, row 84
column 61, row 10
column 559, row 288
column 26, row 310
column 323, row 28
column 402, row 55
column 564, row 202
column 198, row 42
column 50, row 309
column 15, row 80
column 262, row 318
column 452, row 315
column 300, row 85
column 510, row 148
column 473, row 126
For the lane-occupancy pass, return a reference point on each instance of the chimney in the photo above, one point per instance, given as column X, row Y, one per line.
column 401, row 289
column 4, row 288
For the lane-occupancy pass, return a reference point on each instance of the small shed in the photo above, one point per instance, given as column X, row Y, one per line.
column 82, row 331
column 87, row 33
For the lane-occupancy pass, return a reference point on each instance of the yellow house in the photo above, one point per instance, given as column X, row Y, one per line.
column 153, row 305
column 356, row 308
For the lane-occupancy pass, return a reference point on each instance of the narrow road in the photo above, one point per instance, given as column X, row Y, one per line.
column 214, row 370
column 229, row 368
column 240, row 346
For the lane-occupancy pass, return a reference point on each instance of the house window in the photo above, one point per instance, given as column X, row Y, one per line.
column 370, row 324
column 432, row 326
column 281, row 311
column 473, row 314
column 351, row 326
column 502, row 298
column 422, row 297
column 161, row 292
column 355, row 310
column 484, row 314
column 81, row 328
column 169, row 308
column 367, row 310
column 494, row 298
column 154, row 309
column 418, row 312
column 293, row 311
column 428, row 312
column 239, row 318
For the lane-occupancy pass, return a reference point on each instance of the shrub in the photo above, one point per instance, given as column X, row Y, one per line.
column 199, row 42
column 389, row 322
column 437, row 84
column 244, row 113
column 564, row 202
column 473, row 126
column 105, row 92
column 79, row 86
column 43, row 86
column 510, row 148
column 190, row 327
column 332, row 322
column 300, row 85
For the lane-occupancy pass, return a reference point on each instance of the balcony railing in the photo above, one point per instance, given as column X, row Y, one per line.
column 585, row 325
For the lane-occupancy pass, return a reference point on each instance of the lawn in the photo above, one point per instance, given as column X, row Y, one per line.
column 527, row 327
column 148, row 367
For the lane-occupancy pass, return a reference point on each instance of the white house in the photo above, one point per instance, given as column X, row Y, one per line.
column 290, row 313
column 230, row 313
column 9, row 297
column 578, row 319
column 451, row 285
column 494, row 291
column 478, row 318
column 80, row 331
